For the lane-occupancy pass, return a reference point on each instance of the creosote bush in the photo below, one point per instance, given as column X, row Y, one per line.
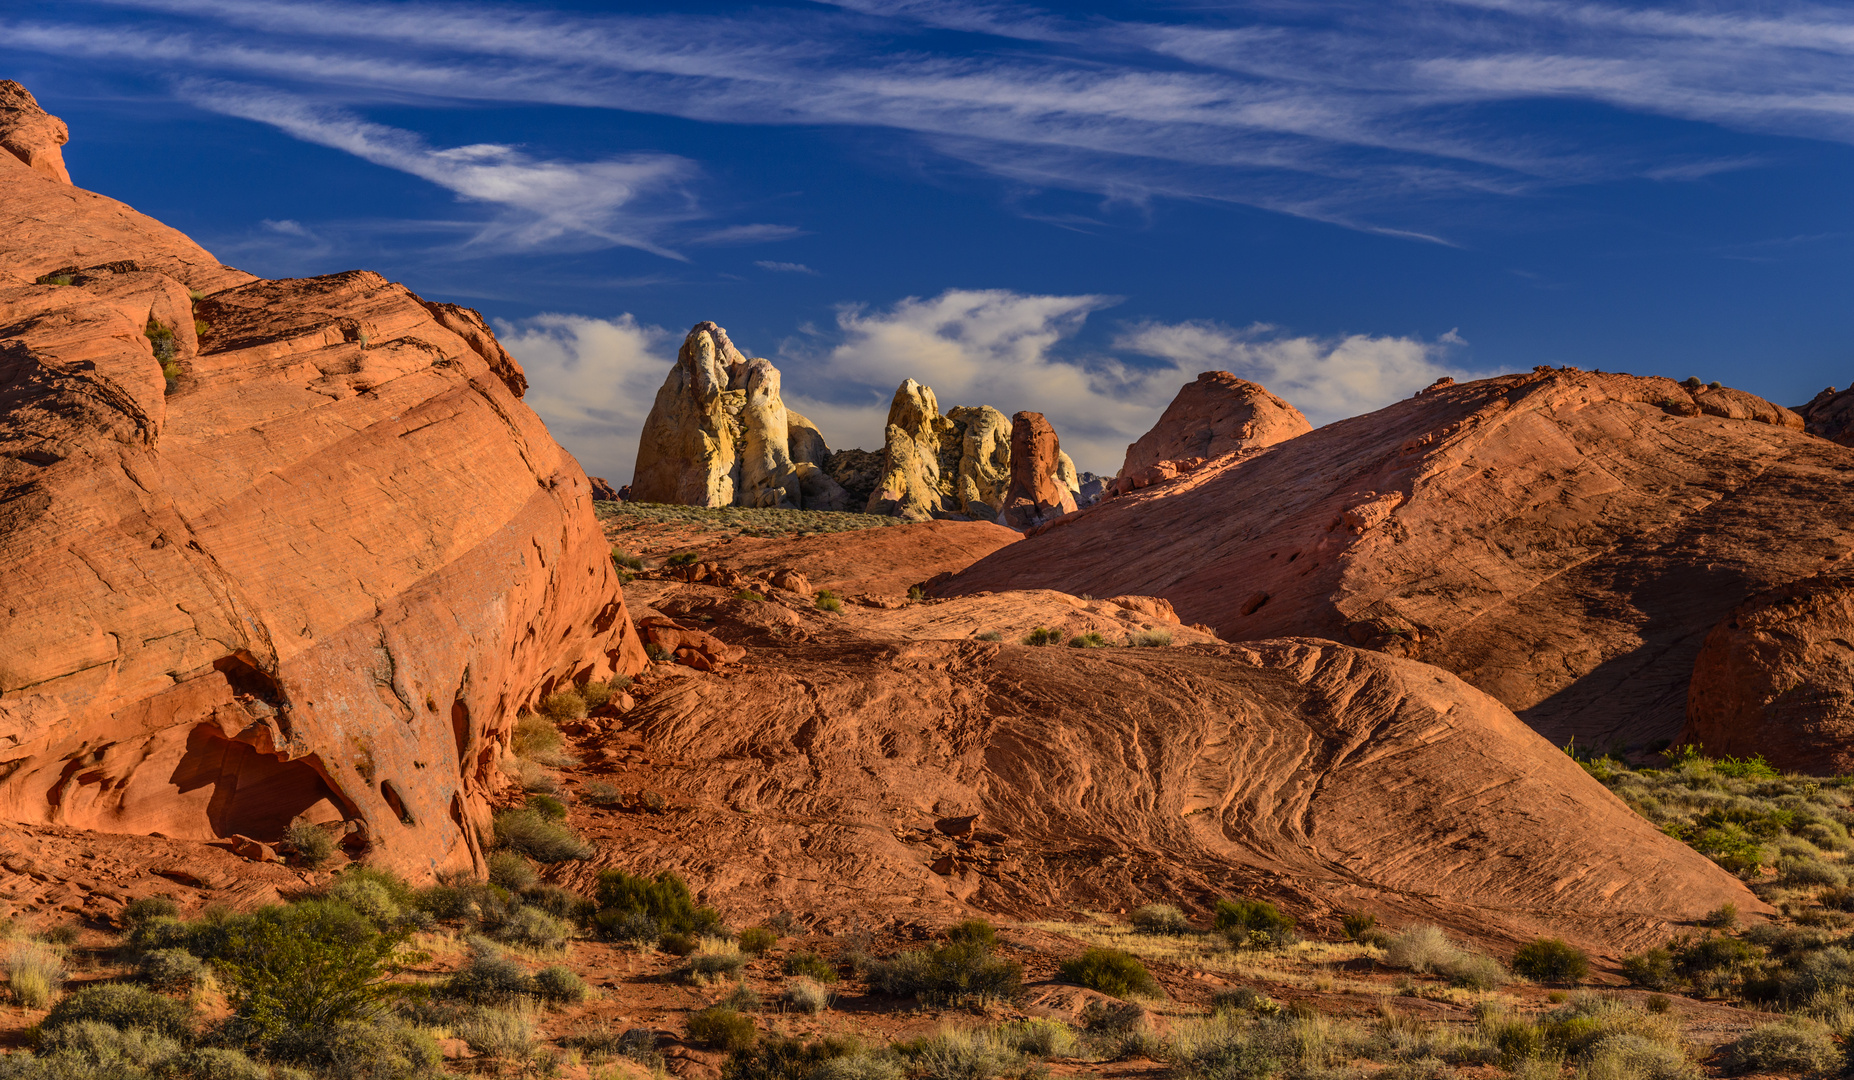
column 1111, row 971
column 1549, row 960
column 829, row 601
column 757, row 940
column 529, row 833
column 1792, row 1045
column 308, row 844
column 1150, row 639
column 781, row 1058
column 1089, row 640
column 123, row 1005
column 1043, row 635
column 723, row 1029
column 625, row 900
column 807, row 995
column 34, row 973
column 956, row 972
column 811, row 965
column 1160, row 919
column 1240, row 918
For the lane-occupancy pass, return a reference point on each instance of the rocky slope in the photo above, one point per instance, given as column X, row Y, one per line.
column 297, row 550
column 887, row 758
column 1217, row 414
column 1563, row 540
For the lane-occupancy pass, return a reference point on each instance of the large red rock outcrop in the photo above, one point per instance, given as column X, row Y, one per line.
column 31, row 134
column 1562, row 539
column 312, row 570
column 838, row 760
column 1216, row 415
column 1776, row 678
column 1036, row 494
column 1830, row 414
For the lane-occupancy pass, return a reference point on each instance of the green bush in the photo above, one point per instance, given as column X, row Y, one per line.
column 1421, row 948
column 829, row 601
column 34, row 973
column 1089, row 640
column 807, row 995
column 308, row 967
column 1043, row 635
column 89, row 1049
column 376, row 894
column 710, row 965
column 1238, row 918
column 1549, row 960
column 1723, row 917
column 1111, row 971
column 529, row 833
column 1652, row 968
column 378, row 1050
column 948, row 974
column 1476, row 972
column 724, row 1029
column 563, row 706
column 1792, row 1045
column 811, row 965
column 489, row 976
column 529, row 928
column 159, row 932
column 1357, row 923
column 173, row 970
column 1160, row 919
column 1150, row 639
column 962, row 1055
column 547, row 806
column 123, row 1005
column 537, row 739
column 664, row 899
column 1039, row 1038
column 138, row 911
column 559, row 985
column 780, row 1058
column 510, row 871
column 757, row 940
column 973, row 932
column 991, row 635
column 308, row 844
column 501, row 1034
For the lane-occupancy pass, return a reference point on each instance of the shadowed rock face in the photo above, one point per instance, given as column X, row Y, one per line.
column 1563, row 540
column 1216, row 415
column 311, row 574
column 719, row 434
column 1830, row 414
column 1037, row 494
column 1318, row 774
column 1776, row 678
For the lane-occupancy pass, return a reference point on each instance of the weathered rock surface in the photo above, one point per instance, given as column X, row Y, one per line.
column 316, row 579
column 31, row 134
column 1830, row 414
column 719, row 434
column 1563, row 540
column 885, row 561
column 982, row 471
column 858, row 472
column 1216, row 415
column 1776, row 678
column 852, row 748
column 1037, row 494
column 910, row 484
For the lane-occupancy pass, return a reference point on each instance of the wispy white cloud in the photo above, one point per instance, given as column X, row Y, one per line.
column 748, row 234
column 1364, row 115
column 593, row 381
column 785, row 267
column 616, row 200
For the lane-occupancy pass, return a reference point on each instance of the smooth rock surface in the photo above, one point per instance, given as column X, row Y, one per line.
column 1563, row 540
column 314, row 579
column 1216, row 415
column 1037, row 495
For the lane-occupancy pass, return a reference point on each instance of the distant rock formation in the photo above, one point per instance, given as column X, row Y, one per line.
column 1038, row 494
column 308, row 571
column 1776, row 678
column 1830, row 414
column 1216, row 415
column 719, row 434
column 1562, row 539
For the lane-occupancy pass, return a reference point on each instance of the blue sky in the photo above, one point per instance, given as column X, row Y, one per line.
column 1071, row 208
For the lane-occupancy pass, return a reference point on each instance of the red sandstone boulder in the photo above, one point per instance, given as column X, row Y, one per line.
column 1830, row 414
column 1776, row 678
column 310, row 571
column 1562, row 539
column 696, row 648
column 1036, row 495
column 1216, row 415
column 30, row 134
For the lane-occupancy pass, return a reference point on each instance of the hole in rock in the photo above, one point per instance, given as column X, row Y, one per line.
column 390, row 793
column 253, row 794
column 245, row 677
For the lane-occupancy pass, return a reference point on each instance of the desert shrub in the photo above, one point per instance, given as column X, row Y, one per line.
column 1723, row 917
column 714, row 960
column 1160, row 919
column 1111, row 971
column 160, row 932
column 954, row 972
column 598, row 693
column 1792, row 1045
column 34, row 973
column 488, row 976
column 1039, row 1038
column 724, row 1029
column 123, row 1005
column 1475, row 971
column 1806, row 872
column 1549, row 960
column 811, row 965
column 1237, row 919
column 1652, row 968
column 1245, row 999
column 679, row 944
column 562, row 706
column 1632, row 1057
column 171, row 970
column 757, row 940
column 601, row 793
column 627, row 560
column 559, row 985
column 807, row 995
column 657, row 653
column 375, row 894
column 537, row 739
column 1043, row 635
column 970, row 1054
column 1150, row 639
column 377, row 1050
column 1357, row 923
column 88, row 1048
column 748, row 595
column 308, row 844
column 1089, row 640
column 307, row 967
column 511, row 871
column 742, row 998
column 547, row 806
column 559, row 902
column 502, row 1034
column 1222, row 1049
column 531, row 777
column 1421, row 948
column 780, row 1058
column 665, row 899
column 529, row 928
column 528, row 833
column 860, row 1066
column 1802, row 975
column 829, row 601
column 139, row 911
column 991, row 635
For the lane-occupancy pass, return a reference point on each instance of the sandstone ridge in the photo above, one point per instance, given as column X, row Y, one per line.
column 1563, row 540
column 271, row 550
